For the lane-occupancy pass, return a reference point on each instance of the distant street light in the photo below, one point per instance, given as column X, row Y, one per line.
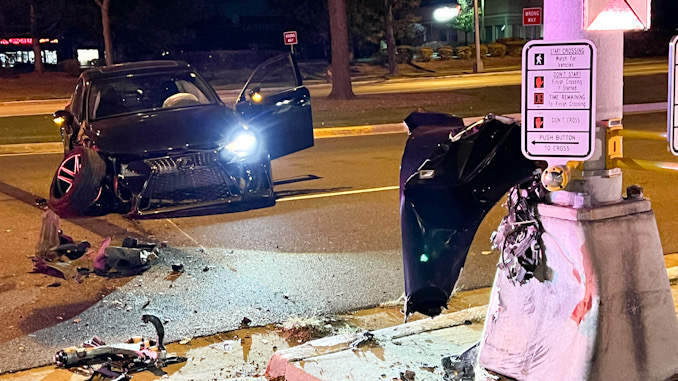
column 444, row 14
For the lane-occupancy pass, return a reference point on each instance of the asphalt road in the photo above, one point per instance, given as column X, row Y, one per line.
column 382, row 86
column 331, row 244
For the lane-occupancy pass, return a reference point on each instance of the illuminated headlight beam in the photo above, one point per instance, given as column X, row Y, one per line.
column 243, row 144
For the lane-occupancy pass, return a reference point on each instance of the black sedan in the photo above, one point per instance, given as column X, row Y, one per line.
column 153, row 137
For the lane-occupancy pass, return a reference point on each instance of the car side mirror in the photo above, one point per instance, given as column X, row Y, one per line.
column 255, row 94
column 63, row 118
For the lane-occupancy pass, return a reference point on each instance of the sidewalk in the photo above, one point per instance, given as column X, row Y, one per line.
column 318, row 133
column 406, row 352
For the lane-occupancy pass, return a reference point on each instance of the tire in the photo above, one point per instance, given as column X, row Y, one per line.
column 77, row 182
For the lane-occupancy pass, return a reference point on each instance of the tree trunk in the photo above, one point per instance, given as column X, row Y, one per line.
column 106, row 23
column 390, row 38
column 341, row 66
column 38, row 67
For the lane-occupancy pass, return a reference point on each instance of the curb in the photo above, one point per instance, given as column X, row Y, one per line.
column 282, row 364
column 292, row 363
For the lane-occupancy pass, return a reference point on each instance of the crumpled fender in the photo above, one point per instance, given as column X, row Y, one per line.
column 451, row 176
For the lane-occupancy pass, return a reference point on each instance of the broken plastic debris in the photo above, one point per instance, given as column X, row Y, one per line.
column 461, row 367
column 178, row 268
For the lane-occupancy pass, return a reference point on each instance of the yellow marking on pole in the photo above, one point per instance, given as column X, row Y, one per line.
column 635, row 134
column 333, row 194
column 648, row 165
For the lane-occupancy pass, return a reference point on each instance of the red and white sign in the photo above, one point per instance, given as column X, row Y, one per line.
column 532, row 16
column 290, row 38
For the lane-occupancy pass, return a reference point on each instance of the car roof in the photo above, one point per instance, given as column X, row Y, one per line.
column 131, row 68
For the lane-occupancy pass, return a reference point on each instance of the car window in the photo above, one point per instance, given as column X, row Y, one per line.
column 147, row 92
column 273, row 76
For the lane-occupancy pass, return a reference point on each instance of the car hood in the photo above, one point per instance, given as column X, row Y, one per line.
column 160, row 131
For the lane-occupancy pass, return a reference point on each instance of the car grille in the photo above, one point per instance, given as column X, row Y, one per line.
column 186, row 179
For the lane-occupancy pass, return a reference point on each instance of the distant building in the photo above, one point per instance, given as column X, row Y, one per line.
column 19, row 50
column 498, row 19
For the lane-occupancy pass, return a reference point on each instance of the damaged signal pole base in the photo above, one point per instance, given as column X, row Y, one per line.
column 605, row 310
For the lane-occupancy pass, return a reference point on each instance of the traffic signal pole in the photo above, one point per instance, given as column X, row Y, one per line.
column 605, row 309
column 564, row 20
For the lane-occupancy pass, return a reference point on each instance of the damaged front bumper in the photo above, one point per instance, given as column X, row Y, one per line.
column 451, row 176
column 195, row 179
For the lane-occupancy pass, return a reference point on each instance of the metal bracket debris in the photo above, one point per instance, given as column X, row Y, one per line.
column 135, row 355
column 366, row 337
column 519, row 235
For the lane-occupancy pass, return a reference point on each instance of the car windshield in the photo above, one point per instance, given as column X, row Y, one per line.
column 147, row 92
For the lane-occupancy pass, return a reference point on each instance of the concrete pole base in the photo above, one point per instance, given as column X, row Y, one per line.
column 607, row 311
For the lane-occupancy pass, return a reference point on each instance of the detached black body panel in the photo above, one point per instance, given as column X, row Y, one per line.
column 451, row 176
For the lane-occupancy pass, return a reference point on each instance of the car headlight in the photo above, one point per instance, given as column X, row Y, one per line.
column 243, row 143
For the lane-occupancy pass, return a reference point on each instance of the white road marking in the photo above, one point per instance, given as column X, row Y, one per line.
column 333, row 194
column 186, row 234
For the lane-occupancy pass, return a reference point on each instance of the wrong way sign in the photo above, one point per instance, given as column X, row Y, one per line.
column 558, row 100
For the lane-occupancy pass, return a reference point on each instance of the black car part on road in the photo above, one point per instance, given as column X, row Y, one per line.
column 77, row 182
column 451, row 176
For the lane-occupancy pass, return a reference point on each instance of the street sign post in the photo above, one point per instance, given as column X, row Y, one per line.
column 558, row 101
column 673, row 96
column 532, row 16
column 290, row 39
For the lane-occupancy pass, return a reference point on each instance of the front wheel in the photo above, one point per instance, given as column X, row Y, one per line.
column 77, row 182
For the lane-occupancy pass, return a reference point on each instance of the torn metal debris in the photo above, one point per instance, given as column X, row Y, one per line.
column 367, row 337
column 120, row 359
column 518, row 236
column 58, row 255
column 461, row 367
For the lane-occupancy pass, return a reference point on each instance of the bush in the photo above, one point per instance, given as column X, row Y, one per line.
column 6, row 72
column 496, row 49
column 508, row 39
column 445, row 53
column 483, row 50
column 71, row 67
column 425, row 54
column 404, row 54
column 212, row 63
column 515, row 48
column 380, row 57
column 464, row 52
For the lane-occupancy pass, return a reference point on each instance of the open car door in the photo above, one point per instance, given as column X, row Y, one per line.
column 278, row 106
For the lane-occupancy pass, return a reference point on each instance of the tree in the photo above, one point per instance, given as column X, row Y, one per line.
column 376, row 20
column 38, row 67
column 465, row 20
column 390, row 37
column 106, row 26
column 146, row 28
column 341, row 70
